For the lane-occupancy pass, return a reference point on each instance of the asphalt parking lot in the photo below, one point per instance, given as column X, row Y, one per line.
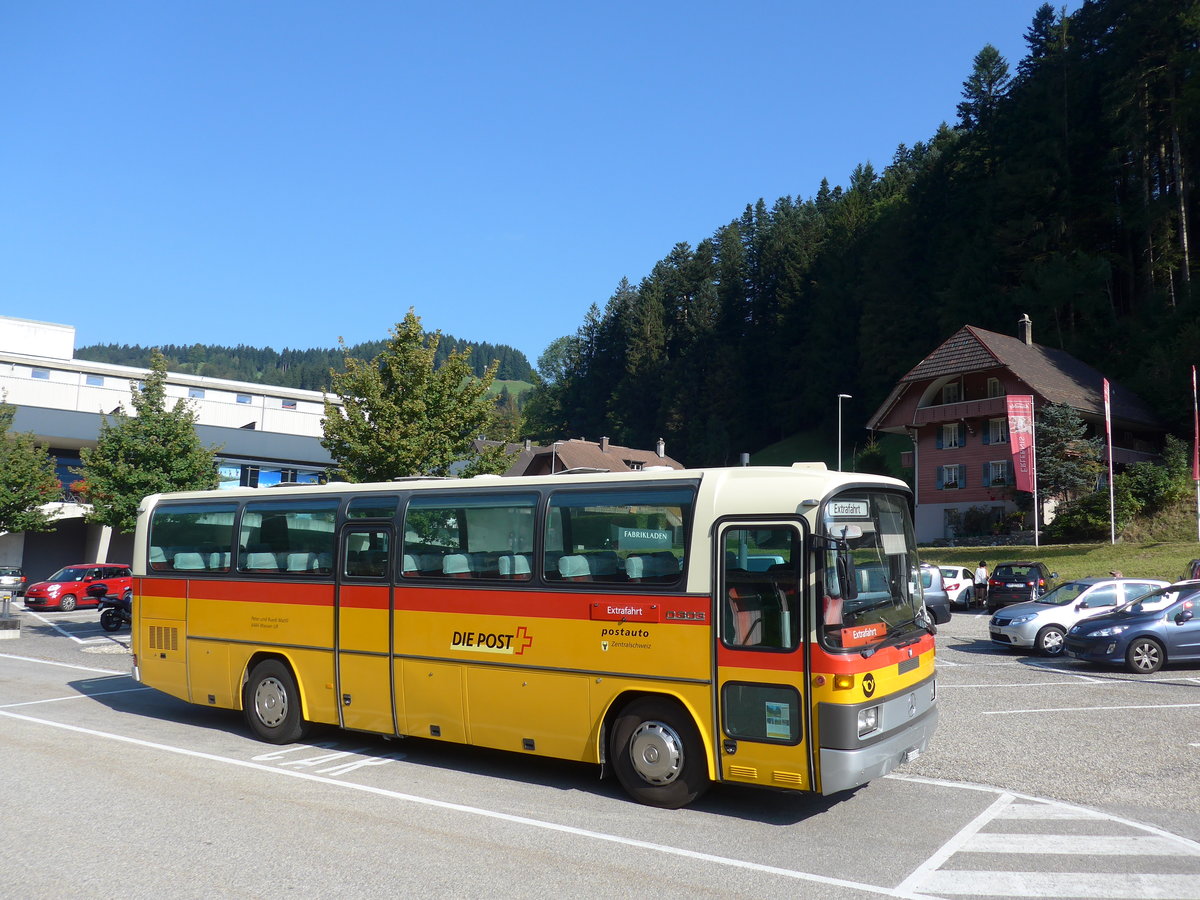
column 1067, row 730
column 1058, row 729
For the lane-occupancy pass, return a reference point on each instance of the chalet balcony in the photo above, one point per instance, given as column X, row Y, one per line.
column 986, row 408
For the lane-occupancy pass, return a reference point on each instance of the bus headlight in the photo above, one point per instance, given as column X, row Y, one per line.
column 868, row 720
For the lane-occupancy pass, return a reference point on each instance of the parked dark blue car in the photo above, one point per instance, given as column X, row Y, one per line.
column 1159, row 627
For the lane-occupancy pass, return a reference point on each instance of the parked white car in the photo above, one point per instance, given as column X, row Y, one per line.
column 1043, row 623
column 959, row 584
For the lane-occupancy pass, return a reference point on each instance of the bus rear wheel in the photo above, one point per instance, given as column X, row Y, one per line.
column 658, row 755
column 271, row 702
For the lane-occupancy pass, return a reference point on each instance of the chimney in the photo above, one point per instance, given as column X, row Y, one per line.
column 661, row 448
column 1025, row 330
column 604, row 445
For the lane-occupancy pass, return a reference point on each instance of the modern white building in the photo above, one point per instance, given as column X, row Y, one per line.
column 263, row 434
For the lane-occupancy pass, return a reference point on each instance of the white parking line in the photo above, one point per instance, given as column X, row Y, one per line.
column 487, row 813
column 73, row 697
column 50, row 662
column 64, row 633
column 1060, row 709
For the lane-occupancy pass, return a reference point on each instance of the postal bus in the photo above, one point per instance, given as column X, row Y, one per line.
column 759, row 626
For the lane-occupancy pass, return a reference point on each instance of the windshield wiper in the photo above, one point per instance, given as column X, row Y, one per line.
column 898, row 637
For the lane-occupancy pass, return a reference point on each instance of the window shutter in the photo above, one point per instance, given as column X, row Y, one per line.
column 987, row 432
column 941, row 477
column 1008, row 472
column 962, row 477
column 987, row 474
column 939, row 439
column 962, row 434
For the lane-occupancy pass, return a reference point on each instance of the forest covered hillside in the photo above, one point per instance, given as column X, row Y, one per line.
column 1065, row 189
column 306, row 369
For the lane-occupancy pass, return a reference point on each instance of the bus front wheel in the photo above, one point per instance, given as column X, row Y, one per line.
column 271, row 702
column 658, row 755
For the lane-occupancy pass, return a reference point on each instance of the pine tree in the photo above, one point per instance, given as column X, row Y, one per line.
column 401, row 414
column 154, row 450
column 27, row 479
column 1068, row 463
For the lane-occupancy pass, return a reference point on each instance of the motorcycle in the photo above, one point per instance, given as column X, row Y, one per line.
column 115, row 612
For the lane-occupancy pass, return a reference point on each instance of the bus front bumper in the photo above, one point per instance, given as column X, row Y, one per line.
column 843, row 769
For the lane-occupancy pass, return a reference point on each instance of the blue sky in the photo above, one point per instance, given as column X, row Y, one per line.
column 284, row 173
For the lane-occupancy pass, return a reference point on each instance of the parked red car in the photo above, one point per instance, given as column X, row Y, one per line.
column 67, row 588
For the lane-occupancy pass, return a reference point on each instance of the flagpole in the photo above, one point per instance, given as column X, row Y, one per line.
column 1196, row 449
column 1033, row 466
column 1112, row 512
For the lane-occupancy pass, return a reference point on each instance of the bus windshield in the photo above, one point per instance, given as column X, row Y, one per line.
column 868, row 572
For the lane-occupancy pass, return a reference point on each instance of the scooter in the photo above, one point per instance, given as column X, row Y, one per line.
column 115, row 612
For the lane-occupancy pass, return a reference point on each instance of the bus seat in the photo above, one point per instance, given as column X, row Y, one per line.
column 188, row 561
column 457, row 565
column 514, row 566
column 747, row 619
column 324, row 563
column 158, row 559
column 635, row 568
column 261, row 561
column 301, row 562
column 410, row 565
column 219, row 560
column 574, row 568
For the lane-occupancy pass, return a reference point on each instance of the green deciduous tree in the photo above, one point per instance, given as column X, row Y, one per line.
column 27, row 479
column 400, row 414
column 154, row 450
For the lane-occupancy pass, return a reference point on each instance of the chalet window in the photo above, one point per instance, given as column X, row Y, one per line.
column 995, row 389
column 951, row 478
column 952, row 393
column 94, row 380
column 998, row 473
column 196, row 393
column 997, row 432
column 951, row 436
column 43, row 374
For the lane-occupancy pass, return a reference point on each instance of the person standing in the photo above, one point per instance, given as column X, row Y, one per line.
column 981, row 583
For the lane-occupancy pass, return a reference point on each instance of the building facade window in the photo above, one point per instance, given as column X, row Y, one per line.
column 998, row 431
column 952, row 393
column 288, row 404
column 951, row 478
column 243, row 398
column 196, row 393
column 951, row 436
column 994, row 388
column 41, row 374
column 999, row 472
column 94, row 380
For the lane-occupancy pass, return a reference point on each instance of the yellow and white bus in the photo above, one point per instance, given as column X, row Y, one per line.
column 760, row 626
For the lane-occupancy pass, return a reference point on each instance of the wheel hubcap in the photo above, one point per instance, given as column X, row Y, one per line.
column 270, row 702
column 1052, row 643
column 1145, row 656
column 656, row 751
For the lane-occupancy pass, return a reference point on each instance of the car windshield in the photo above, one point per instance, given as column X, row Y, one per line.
column 6, row 570
column 71, row 573
column 1156, row 601
column 880, row 562
column 1063, row 594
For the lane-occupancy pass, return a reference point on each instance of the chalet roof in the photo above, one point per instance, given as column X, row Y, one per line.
column 580, row 454
column 1054, row 375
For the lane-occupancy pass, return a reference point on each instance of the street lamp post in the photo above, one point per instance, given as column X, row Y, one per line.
column 841, row 397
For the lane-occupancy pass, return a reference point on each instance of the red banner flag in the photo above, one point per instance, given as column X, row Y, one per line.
column 1021, row 438
column 1195, row 431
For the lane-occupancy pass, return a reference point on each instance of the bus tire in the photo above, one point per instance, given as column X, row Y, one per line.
column 271, row 702
column 657, row 753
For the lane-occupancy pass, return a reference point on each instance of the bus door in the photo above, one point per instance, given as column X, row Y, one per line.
column 363, row 629
column 762, row 688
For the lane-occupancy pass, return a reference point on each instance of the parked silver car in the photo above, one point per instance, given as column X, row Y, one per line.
column 1043, row 623
column 934, row 591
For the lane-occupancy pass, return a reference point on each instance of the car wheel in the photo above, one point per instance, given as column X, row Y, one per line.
column 271, row 703
column 67, row 603
column 1145, row 655
column 1049, row 641
column 658, row 755
column 968, row 597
